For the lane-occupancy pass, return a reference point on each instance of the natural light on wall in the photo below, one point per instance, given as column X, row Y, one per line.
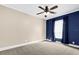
column 58, row 29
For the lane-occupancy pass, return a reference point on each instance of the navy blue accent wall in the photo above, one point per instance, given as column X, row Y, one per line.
column 65, row 38
column 73, row 28
column 50, row 29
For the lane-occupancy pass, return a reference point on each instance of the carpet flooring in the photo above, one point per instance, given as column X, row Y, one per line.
column 42, row 48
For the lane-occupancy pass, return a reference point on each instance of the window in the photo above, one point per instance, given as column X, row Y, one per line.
column 58, row 29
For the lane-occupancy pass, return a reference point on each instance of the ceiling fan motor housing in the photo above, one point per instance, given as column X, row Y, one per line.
column 46, row 9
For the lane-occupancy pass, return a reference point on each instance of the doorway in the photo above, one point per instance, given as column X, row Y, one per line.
column 58, row 30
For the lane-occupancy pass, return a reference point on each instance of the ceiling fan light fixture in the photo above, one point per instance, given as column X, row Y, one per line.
column 46, row 13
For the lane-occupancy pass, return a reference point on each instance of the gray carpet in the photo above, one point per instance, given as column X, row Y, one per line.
column 42, row 48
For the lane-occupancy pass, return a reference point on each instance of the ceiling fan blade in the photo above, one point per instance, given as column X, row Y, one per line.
column 52, row 12
column 54, row 7
column 41, row 7
column 40, row 13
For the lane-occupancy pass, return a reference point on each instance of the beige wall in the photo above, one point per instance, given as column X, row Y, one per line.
column 17, row 28
column 44, row 29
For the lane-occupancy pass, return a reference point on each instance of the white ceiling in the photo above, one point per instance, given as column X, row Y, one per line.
column 32, row 9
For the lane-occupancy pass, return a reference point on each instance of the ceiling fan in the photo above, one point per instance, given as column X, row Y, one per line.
column 46, row 10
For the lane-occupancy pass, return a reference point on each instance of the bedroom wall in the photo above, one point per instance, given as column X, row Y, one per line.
column 73, row 27
column 17, row 28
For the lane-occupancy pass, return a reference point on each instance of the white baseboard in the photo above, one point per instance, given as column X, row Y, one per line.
column 19, row 45
column 74, row 45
